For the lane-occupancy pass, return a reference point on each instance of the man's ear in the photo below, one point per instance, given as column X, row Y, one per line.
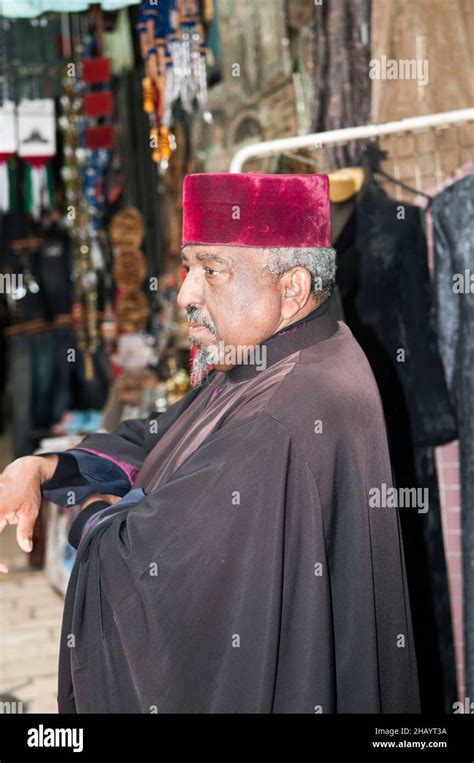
column 296, row 289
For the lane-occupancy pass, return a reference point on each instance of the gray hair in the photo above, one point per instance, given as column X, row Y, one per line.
column 320, row 261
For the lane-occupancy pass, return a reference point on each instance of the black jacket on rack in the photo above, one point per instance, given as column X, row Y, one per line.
column 384, row 285
column 453, row 214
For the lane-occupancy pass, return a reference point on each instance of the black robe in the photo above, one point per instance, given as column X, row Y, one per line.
column 253, row 577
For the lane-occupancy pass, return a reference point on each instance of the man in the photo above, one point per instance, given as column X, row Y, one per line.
column 243, row 570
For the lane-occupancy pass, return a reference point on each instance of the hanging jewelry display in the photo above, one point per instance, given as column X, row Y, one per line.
column 84, row 312
column 88, row 140
column 98, row 132
column 96, row 135
column 172, row 41
column 83, row 226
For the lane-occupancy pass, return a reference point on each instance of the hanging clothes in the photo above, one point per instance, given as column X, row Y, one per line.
column 341, row 54
column 449, row 467
column 453, row 214
column 383, row 280
column 395, row 300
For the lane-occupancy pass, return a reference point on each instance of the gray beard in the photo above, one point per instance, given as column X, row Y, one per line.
column 201, row 361
column 203, row 358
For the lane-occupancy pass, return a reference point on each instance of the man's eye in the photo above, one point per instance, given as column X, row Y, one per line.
column 211, row 272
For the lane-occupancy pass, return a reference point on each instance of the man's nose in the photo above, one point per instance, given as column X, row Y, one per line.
column 191, row 292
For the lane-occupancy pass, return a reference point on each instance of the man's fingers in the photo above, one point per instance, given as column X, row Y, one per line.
column 24, row 531
column 8, row 519
column 3, row 567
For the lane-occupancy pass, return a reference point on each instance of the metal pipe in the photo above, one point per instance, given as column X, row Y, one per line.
column 335, row 137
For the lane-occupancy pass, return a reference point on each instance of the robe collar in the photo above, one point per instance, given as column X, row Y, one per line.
column 317, row 325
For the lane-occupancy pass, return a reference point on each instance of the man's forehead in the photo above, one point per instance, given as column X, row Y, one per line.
column 201, row 251
column 226, row 254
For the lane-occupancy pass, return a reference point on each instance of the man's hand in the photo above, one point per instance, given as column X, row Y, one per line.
column 20, row 496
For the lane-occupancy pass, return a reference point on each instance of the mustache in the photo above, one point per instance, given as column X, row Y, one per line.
column 195, row 315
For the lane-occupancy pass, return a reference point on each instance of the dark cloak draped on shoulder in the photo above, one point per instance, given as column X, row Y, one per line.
column 253, row 576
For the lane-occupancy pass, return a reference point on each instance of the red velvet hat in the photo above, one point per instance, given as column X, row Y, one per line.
column 253, row 209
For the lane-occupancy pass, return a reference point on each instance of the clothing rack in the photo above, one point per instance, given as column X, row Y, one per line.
column 320, row 140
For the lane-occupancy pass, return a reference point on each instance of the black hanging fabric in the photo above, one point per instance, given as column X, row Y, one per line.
column 141, row 173
column 384, row 285
column 453, row 215
column 342, row 89
column 395, row 300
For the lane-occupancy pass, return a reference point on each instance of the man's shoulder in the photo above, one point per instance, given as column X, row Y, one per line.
column 331, row 379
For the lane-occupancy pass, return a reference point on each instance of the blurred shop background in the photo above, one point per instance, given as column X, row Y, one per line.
column 104, row 108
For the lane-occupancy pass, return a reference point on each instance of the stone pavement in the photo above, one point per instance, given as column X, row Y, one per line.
column 30, row 623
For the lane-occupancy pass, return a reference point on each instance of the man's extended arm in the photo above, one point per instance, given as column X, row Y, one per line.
column 20, row 494
column 102, row 463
